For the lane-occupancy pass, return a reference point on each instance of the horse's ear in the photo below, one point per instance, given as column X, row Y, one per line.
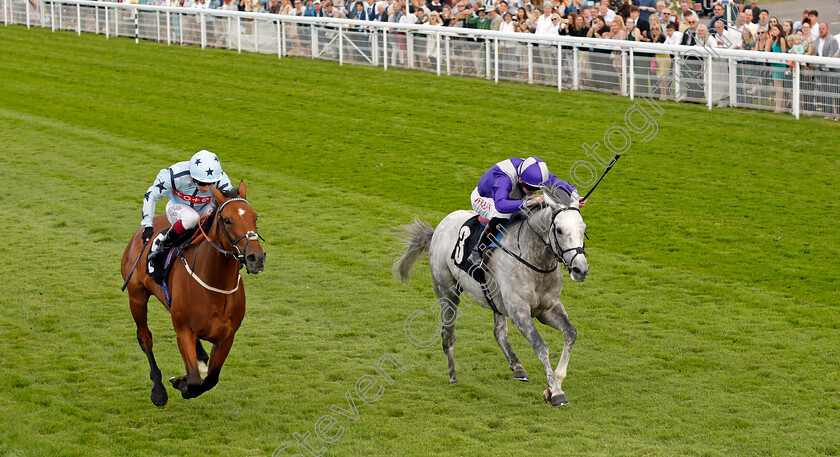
column 550, row 201
column 217, row 194
column 242, row 189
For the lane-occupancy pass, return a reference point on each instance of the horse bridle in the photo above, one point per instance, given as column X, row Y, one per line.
column 249, row 235
column 553, row 229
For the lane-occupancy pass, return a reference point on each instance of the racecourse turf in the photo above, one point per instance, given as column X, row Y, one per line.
column 708, row 325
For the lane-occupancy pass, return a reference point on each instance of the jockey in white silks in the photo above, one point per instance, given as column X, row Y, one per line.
column 187, row 185
column 501, row 191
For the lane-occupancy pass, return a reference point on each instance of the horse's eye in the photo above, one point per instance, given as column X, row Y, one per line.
column 227, row 221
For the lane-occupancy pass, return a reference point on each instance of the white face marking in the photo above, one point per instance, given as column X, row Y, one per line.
column 241, row 212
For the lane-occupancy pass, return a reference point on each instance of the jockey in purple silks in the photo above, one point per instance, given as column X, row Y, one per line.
column 501, row 191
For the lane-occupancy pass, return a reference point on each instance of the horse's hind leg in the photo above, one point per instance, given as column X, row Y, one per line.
column 448, row 300
column 138, row 301
column 217, row 358
column 500, row 331
column 556, row 317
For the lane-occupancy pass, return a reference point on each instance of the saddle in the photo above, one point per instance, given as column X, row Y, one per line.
column 468, row 236
column 159, row 270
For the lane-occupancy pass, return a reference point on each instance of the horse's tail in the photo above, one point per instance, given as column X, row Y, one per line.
column 416, row 236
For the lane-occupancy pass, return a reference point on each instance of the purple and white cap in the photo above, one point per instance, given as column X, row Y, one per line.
column 533, row 171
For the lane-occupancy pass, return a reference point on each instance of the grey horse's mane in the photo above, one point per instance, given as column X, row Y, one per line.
column 557, row 194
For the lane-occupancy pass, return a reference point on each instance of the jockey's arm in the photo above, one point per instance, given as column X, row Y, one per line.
column 555, row 181
column 501, row 193
column 224, row 182
column 159, row 189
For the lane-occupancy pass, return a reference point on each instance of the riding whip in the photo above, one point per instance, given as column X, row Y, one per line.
column 127, row 278
column 615, row 159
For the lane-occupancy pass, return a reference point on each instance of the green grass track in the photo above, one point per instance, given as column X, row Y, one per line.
column 709, row 325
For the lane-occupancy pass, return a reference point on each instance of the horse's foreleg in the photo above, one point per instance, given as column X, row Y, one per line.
column 500, row 331
column 189, row 384
column 523, row 321
column 217, row 358
column 138, row 301
column 556, row 317
column 202, row 357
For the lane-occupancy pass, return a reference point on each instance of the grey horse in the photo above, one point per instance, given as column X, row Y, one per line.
column 523, row 278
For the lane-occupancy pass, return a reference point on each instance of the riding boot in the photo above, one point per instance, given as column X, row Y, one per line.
column 165, row 244
column 483, row 243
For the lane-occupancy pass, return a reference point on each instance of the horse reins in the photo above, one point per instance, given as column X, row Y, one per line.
column 238, row 255
column 558, row 256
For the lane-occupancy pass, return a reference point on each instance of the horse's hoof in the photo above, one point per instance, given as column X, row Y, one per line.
column 159, row 398
column 453, row 380
column 520, row 375
column 557, row 400
column 178, row 381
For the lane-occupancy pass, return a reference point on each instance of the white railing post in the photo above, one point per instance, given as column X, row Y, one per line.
column 313, row 38
column 6, row 14
column 116, row 22
column 239, row 35
column 633, row 75
column 575, row 69
column 623, row 89
column 559, row 67
column 180, row 28
column 794, row 100
column 530, row 63
column 26, row 8
column 168, row 29
column 448, row 55
column 385, row 49
column 203, row 31
column 52, row 17
column 157, row 23
column 283, row 35
column 136, row 25
column 437, row 52
column 733, row 82
column 677, row 77
column 256, row 35
column 279, row 41
column 107, row 21
column 95, row 18
column 410, row 48
column 374, row 47
column 486, row 59
column 60, row 17
column 340, row 45
column 78, row 19
column 496, row 61
column 708, row 77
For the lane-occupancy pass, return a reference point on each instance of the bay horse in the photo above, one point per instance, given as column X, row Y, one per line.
column 207, row 292
column 523, row 277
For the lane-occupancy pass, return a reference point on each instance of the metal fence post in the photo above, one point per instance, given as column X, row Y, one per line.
column 283, row 36
column 116, row 22
column 559, row 67
column 180, row 28
column 677, row 77
column 733, row 82
column 623, row 88
column 340, row 45
column 486, row 59
column 437, row 52
column 203, row 31
column 313, row 38
column 107, row 21
column 794, row 100
column 239, row 35
column 385, row 49
column 448, row 55
column 708, row 76
column 410, row 48
column 575, row 69
column 157, row 23
column 279, row 41
column 136, row 25
column 168, row 29
column 60, row 17
column 632, row 74
column 95, row 18
column 52, row 17
column 26, row 8
column 496, row 61
column 78, row 19
column 530, row 63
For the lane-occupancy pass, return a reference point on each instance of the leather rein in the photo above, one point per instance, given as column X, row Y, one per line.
column 559, row 256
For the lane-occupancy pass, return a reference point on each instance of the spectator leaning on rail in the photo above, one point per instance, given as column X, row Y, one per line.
column 501, row 190
column 187, row 185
